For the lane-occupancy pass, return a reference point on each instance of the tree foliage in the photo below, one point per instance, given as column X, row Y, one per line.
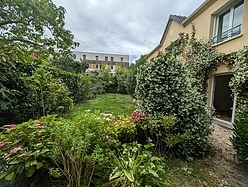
column 30, row 30
column 67, row 63
column 131, row 74
column 32, row 26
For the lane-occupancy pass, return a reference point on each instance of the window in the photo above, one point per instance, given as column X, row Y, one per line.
column 97, row 66
column 97, row 58
column 112, row 67
column 228, row 22
column 121, row 59
column 112, row 59
column 106, row 58
column 84, row 57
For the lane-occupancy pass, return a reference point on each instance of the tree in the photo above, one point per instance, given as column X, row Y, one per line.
column 67, row 63
column 32, row 26
column 131, row 74
column 30, row 29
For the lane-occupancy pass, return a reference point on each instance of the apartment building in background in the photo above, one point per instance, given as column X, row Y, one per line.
column 96, row 61
column 225, row 23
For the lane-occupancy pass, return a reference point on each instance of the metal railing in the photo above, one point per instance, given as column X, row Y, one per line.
column 227, row 34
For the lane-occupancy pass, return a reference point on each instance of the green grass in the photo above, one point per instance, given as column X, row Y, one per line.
column 115, row 104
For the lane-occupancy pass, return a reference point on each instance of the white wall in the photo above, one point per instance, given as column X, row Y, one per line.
column 101, row 56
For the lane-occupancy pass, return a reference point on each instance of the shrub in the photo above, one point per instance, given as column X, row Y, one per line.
column 25, row 148
column 24, row 103
column 77, row 84
column 162, row 130
column 163, row 88
column 60, row 147
column 134, row 165
column 47, row 95
column 240, row 139
column 79, row 147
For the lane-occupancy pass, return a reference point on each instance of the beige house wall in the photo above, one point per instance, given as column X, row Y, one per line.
column 170, row 35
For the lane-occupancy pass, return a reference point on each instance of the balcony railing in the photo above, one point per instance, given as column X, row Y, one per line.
column 227, row 34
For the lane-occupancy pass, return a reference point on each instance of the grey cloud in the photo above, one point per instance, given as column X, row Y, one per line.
column 131, row 27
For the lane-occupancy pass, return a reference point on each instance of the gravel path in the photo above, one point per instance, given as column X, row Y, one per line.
column 220, row 139
column 225, row 162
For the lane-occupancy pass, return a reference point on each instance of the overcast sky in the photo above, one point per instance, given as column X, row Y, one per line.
column 132, row 27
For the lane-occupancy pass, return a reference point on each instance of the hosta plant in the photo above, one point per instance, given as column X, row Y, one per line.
column 135, row 166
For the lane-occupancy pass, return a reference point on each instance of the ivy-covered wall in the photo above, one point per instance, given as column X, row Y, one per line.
column 239, row 82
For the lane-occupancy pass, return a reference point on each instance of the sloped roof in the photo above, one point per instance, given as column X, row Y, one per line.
column 177, row 18
column 183, row 20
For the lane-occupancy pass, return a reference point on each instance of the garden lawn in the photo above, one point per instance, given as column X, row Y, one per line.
column 116, row 104
column 212, row 171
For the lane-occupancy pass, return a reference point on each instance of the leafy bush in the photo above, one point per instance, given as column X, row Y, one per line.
column 80, row 147
column 131, row 74
column 22, row 106
column 162, row 130
column 134, row 165
column 240, row 139
column 163, row 88
column 60, row 147
column 25, row 148
column 14, row 108
column 47, row 95
column 77, row 84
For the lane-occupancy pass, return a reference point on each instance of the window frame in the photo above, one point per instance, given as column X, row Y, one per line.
column 217, row 35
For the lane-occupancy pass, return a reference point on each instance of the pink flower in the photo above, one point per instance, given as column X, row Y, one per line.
column 142, row 115
column 2, row 144
column 39, row 126
column 16, row 149
column 7, row 126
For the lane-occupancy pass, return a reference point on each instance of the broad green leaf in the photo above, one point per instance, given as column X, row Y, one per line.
column 30, row 172
column 44, row 151
column 14, row 162
column 153, row 173
column 39, row 165
column 115, row 174
column 129, row 175
column 27, row 164
column 3, row 174
column 10, row 176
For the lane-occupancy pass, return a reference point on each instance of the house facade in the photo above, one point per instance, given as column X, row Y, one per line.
column 96, row 61
column 225, row 23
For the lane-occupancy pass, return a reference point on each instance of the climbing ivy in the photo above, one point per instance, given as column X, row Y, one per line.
column 199, row 58
column 239, row 82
